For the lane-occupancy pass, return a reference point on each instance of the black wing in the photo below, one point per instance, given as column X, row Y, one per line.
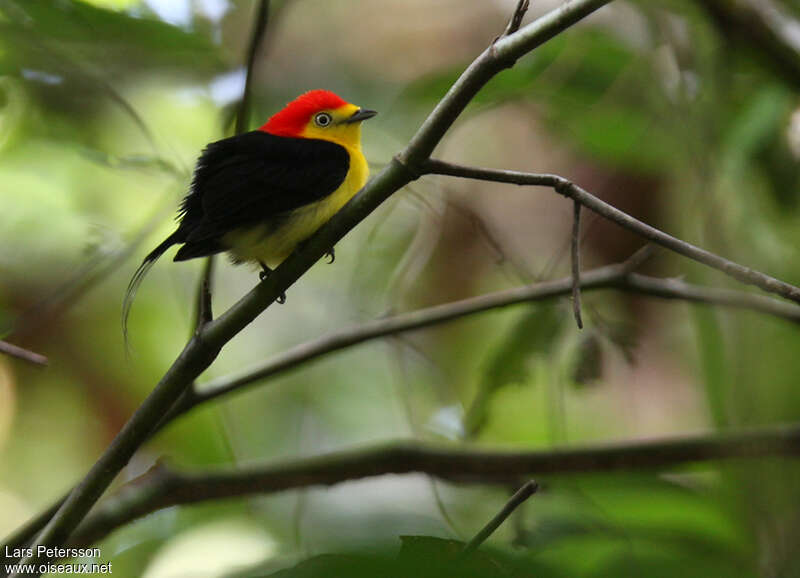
column 250, row 178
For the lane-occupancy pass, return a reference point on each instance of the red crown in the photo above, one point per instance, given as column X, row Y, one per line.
column 292, row 120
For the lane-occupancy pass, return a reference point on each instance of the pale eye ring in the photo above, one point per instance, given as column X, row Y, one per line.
column 323, row 119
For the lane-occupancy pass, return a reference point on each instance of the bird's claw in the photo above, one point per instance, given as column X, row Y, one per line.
column 331, row 255
column 263, row 274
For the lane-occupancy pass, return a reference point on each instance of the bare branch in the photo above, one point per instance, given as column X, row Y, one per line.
column 23, row 354
column 566, row 188
column 576, row 263
column 456, row 465
column 377, row 328
column 611, row 277
column 519, row 497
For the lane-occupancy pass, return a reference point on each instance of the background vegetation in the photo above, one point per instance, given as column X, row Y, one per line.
column 669, row 110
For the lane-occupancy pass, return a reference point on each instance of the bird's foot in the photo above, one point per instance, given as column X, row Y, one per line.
column 265, row 271
column 263, row 274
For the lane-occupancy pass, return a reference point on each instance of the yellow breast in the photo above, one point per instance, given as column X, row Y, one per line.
column 271, row 244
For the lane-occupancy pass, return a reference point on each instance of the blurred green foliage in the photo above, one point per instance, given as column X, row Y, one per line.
column 103, row 109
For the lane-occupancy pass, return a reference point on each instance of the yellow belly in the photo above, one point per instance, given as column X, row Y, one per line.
column 271, row 244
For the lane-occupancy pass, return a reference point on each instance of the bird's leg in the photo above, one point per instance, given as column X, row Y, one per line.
column 263, row 274
column 265, row 270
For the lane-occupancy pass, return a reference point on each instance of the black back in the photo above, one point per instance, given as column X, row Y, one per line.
column 252, row 178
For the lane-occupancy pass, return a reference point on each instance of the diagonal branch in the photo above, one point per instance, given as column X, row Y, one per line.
column 526, row 491
column 568, row 189
column 166, row 488
column 386, row 326
column 619, row 277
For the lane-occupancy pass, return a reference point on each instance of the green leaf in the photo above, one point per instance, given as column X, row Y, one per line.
column 759, row 122
column 419, row 557
column 39, row 32
column 70, row 55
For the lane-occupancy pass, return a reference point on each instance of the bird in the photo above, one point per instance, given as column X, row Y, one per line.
column 259, row 194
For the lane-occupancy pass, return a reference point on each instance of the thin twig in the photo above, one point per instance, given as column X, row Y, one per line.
column 601, row 277
column 575, row 253
column 473, row 466
column 568, row 189
column 525, row 492
column 639, row 258
column 203, row 312
column 23, row 354
column 516, row 19
column 256, row 40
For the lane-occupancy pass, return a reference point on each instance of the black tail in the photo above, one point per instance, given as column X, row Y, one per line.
column 138, row 277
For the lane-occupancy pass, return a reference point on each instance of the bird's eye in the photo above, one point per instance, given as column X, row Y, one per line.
column 323, row 119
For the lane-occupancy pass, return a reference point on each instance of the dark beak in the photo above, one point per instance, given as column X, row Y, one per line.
column 361, row 114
